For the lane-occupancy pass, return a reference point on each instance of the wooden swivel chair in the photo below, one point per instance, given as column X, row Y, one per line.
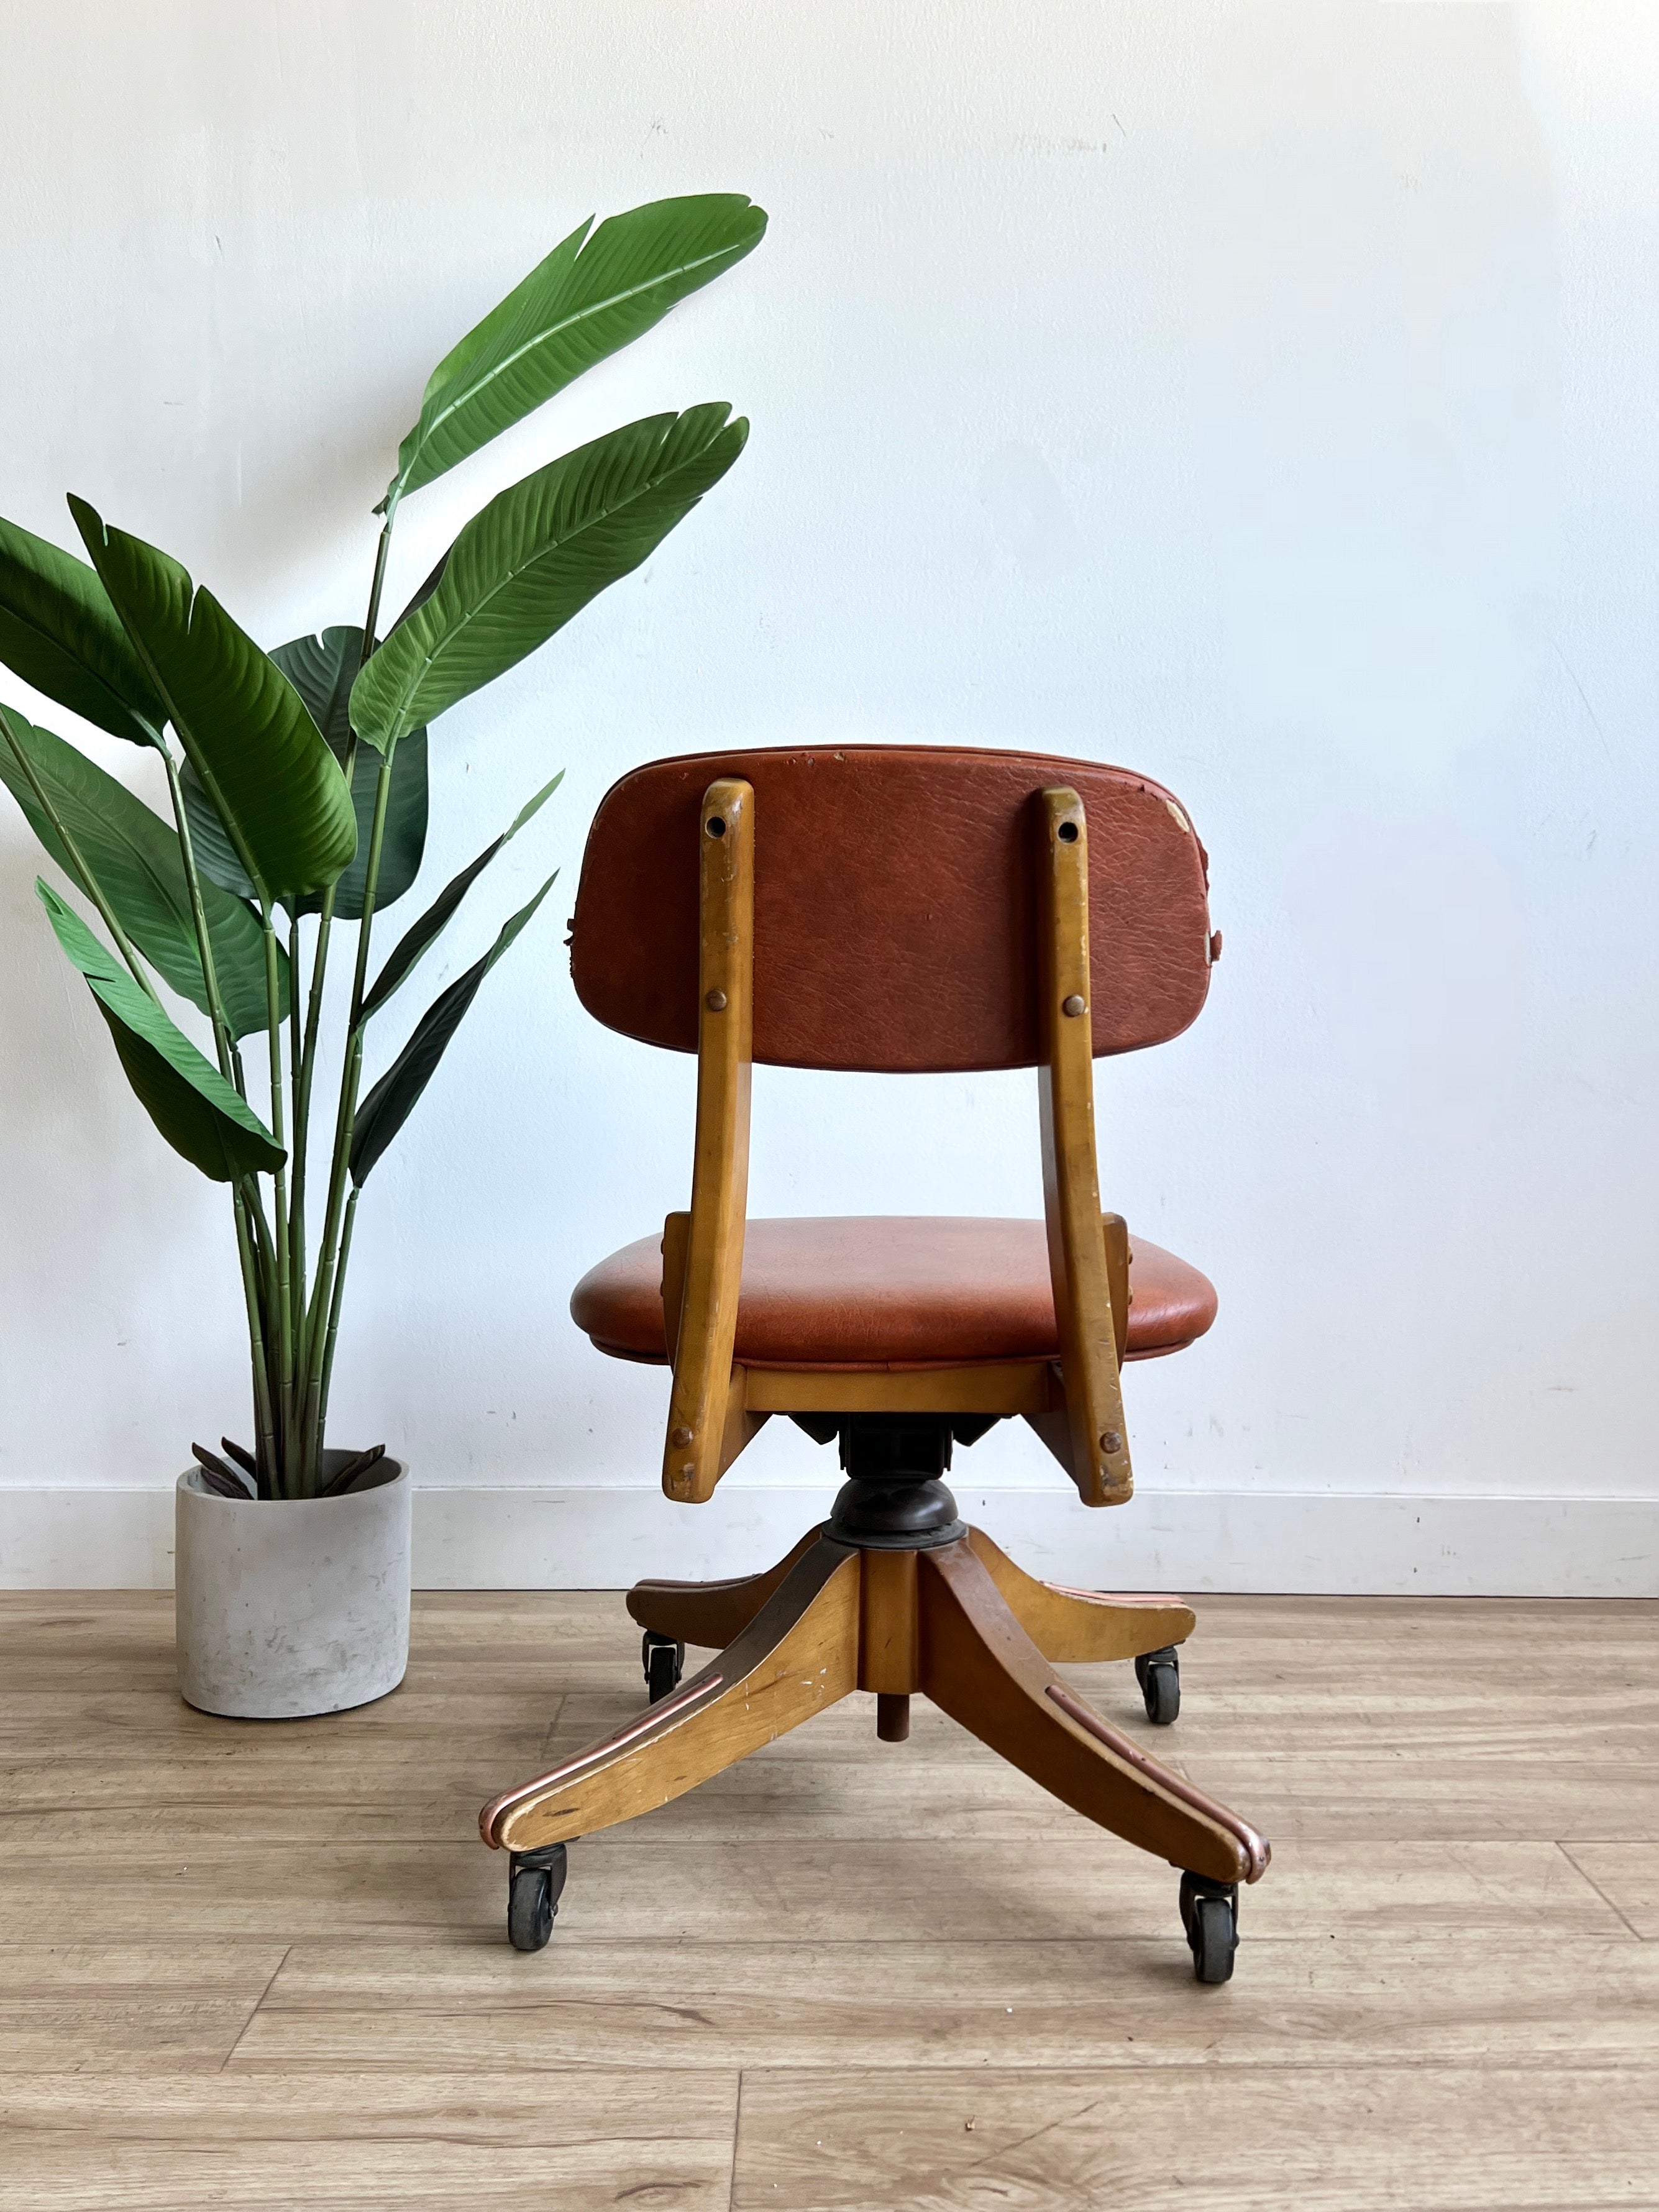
column 902, row 909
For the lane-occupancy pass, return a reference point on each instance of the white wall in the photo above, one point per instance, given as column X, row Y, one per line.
column 1260, row 395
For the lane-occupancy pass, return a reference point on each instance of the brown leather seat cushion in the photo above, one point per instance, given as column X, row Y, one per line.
column 894, row 1291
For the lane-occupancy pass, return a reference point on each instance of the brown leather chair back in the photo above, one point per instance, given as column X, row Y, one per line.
column 895, row 905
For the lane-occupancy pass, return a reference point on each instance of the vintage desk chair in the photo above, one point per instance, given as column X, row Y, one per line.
column 899, row 909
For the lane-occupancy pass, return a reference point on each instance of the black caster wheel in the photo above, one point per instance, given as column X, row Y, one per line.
column 664, row 1662
column 1158, row 1673
column 1209, row 1913
column 534, row 1881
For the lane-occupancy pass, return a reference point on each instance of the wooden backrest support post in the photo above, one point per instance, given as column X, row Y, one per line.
column 1089, row 1437
column 708, row 1425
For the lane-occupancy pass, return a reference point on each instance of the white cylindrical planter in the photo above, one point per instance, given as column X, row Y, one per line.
column 286, row 1608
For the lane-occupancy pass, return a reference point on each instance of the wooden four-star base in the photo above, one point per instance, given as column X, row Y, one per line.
column 957, row 1621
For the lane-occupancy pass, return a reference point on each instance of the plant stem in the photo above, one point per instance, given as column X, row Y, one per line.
column 89, row 883
column 380, row 552
column 320, row 1320
column 307, row 1067
column 376, row 843
column 351, row 1076
column 323, row 1283
column 284, row 1317
column 264, row 1256
column 250, row 1229
column 296, row 1215
column 325, row 917
column 266, row 1452
column 334, row 1308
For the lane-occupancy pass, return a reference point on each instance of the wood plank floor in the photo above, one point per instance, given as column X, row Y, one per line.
column 265, row 1965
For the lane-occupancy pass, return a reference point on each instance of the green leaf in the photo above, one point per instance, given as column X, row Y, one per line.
column 321, row 669
column 585, row 301
column 422, row 935
column 134, row 855
column 404, row 841
column 60, row 634
column 393, row 1100
column 186, row 1097
column 402, row 847
column 258, row 754
column 535, row 556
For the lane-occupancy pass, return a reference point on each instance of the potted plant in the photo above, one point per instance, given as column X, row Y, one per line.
column 297, row 788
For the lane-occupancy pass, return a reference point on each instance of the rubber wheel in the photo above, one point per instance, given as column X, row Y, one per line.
column 1158, row 1673
column 1209, row 1913
column 664, row 1662
column 1214, row 1939
column 530, row 1908
column 535, row 1883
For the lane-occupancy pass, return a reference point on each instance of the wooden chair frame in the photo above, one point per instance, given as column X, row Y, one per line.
column 717, row 1406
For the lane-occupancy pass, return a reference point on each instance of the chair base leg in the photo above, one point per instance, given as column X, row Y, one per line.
column 980, row 1665
column 1072, row 1626
column 711, row 1613
column 797, row 1655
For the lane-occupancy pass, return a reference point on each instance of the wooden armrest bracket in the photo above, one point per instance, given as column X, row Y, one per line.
column 1090, row 1439
column 1117, row 1277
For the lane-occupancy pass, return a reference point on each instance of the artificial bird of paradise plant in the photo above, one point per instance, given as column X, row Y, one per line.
column 297, row 785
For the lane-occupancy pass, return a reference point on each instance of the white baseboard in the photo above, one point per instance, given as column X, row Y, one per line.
column 572, row 1538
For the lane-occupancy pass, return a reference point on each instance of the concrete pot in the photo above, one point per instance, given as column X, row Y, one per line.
column 286, row 1608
